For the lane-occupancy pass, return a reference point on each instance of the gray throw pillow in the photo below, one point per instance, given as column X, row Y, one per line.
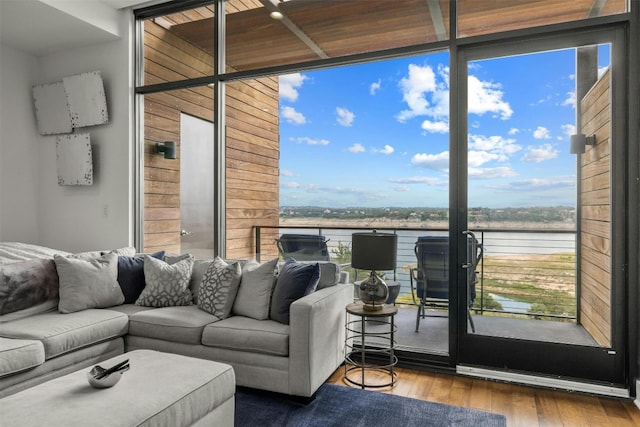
column 91, row 283
column 295, row 280
column 219, row 287
column 254, row 293
column 167, row 285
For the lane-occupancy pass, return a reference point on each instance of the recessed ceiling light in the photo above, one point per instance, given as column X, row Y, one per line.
column 276, row 15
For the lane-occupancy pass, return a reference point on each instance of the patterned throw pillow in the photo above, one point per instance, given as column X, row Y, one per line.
column 219, row 287
column 167, row 285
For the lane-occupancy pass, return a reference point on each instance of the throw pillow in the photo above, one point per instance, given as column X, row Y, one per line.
column 131, row 275
column 88, row 283
column 295, row 280
column 167, row 285
column 255, row 288
column 219, row 287
column 127, row 251
column 26, row 284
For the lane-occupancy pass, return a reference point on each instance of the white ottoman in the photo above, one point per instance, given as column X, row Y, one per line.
column 160, row 389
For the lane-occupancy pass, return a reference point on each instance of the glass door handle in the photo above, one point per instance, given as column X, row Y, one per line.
column 185, row 232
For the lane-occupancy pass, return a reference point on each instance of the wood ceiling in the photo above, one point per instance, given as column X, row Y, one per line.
column 315, row 29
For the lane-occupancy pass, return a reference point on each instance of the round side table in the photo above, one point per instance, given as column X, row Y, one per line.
column 370, row 345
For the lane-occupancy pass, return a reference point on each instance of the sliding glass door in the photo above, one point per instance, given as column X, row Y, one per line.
column 540, row 163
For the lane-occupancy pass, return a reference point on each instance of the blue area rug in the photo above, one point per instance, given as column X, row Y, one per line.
column 344, row 406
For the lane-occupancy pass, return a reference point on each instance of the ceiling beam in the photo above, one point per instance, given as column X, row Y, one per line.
column 295, row 29
column 436, row 18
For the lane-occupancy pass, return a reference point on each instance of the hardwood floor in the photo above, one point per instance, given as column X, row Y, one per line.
column 522, row 405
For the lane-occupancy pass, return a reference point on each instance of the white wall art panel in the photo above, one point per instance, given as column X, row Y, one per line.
column 86, row 99
column 75, row 160
column 52, row 112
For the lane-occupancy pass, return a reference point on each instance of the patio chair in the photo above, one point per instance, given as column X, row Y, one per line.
column 303, row 247
column 430, row 280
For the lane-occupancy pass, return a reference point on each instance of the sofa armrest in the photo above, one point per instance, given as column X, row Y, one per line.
column 316, row 337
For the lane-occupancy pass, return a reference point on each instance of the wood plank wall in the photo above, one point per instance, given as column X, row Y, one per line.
column 595, row 200
column 252, row 143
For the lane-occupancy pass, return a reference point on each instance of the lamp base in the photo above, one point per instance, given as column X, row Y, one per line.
column 372, row 307
column 373, row 292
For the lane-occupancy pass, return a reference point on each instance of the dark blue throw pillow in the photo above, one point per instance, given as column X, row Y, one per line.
column 131, row 275
column 294, row 281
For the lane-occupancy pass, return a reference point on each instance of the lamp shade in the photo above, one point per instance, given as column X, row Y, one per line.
column 374, row 251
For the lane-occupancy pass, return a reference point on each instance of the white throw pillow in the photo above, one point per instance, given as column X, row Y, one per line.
column 254, row 294
column 219, row 287
column 166, row 285
column 89, row 283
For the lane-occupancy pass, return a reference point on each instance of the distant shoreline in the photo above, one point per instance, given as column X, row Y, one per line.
column 389, row 223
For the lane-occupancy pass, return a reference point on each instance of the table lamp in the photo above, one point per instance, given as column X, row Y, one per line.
column 373, row 251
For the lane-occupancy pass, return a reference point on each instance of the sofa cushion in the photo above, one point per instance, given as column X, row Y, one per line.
column 179, row 324
column 62, row 333
column 167, row 285
column 49, row 305
column 88, row 283
column 254, row 293
column 131, row 275
column 295, row 280
column 26, row 284
column 19, row 355
column 219, row 287
column 246, row 334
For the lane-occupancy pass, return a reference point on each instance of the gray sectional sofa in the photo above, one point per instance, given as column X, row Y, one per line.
column 38, row 342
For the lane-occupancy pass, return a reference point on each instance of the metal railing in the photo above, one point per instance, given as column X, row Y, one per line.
column 523, row 273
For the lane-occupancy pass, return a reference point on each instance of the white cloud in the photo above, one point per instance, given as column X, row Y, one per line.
column 602, row 70
column 386, row 150
column 426, row 93
column 491, row 173
column 479, row 158
column 286, row 172
column 416, row 180
column 435, row 127
column 568, row 129
column 513, row 131
column 310, row 141
column 401, row 188
column 415, row 87
column 438, row 162
column 345, row 117
column 486, row 97
column 538, row 184
column 494, row 143
column 570, row 101
column 374, row 87
column 292, row 116
column 356, row 148
column 540, row 153
column 289, row 185
column 289, row 83
column 541, row 132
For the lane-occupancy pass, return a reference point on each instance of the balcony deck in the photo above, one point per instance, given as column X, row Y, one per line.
column 433, row 335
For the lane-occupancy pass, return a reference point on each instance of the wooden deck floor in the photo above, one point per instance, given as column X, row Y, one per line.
column 522, row 405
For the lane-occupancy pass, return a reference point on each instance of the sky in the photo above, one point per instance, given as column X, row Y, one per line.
column 377, row 134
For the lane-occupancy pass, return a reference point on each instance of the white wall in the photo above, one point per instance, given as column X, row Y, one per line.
column 72, row 218
column 19, row 148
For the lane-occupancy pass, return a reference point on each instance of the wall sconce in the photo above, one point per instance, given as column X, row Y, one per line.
column 579, row 141
column 168, row 148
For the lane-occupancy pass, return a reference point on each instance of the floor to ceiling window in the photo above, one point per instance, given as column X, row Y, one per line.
column 334, row 110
